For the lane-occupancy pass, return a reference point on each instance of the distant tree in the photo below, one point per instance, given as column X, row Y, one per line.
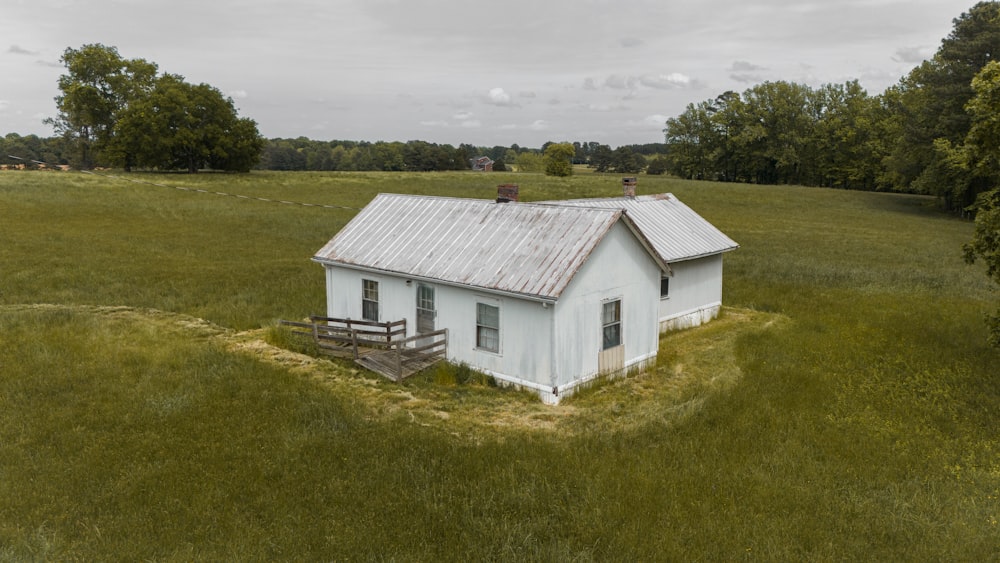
column 98, row 87
column 530, row 162
column 337, row 157
column 692, row 139
column 658, row 165
column 499, row 165
column 396, row 157
column 601, row 158
column 845, row 149
column 279, row 154
column 624, row 161
column 558, row 159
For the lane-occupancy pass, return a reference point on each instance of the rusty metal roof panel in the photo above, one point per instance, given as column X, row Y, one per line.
column 675, row 231
column 521, row 248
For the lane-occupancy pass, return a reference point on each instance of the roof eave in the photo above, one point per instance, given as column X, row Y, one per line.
column 547, row 299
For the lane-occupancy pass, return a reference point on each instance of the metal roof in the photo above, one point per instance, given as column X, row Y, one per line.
column 674, row 230
column 528, row 249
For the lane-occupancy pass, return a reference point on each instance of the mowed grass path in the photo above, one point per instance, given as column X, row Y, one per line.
column 845, row 408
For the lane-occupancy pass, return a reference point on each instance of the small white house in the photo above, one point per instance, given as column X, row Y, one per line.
column 544, row 296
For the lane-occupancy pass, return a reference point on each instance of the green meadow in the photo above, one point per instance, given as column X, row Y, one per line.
column 845, row 406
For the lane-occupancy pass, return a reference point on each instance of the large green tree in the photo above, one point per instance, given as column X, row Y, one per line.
column 558, row 158
column 692, row 141
column 117, row 111
column 779, row 132
column 98, row 86
column 977, row 162
column 931, row 107
column 985, row 246
column 179, row 125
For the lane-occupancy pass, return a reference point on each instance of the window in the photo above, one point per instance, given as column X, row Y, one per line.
column 487, row 327
column 369, row 300
column 611, row 319
column 664, row 287
column 425, row 309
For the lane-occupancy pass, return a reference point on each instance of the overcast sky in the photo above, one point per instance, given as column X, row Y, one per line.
column 467, row 71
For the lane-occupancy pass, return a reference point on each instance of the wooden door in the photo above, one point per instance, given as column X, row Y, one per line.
column 426, row 311
column 611, row 358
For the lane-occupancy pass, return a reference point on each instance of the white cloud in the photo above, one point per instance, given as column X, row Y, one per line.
column 630, row 42
column 4, row 104
column 239, row 94
column 499, row 97
column 604, row 108
column 472, row 124
column 539, row 125
column 434, row 123
column 667, row 81
column 462, row 115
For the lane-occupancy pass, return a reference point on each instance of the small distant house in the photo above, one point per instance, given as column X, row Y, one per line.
column 545, row 296
column 481, row 164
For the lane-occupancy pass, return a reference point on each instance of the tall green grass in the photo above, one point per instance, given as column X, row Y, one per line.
column 850, row 414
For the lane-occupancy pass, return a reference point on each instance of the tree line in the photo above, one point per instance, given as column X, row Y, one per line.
column 343, row 155
column 838, row 135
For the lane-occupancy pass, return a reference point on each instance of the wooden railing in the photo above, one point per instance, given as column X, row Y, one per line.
column 380, row 347
column 346, row 336
column 407, row 356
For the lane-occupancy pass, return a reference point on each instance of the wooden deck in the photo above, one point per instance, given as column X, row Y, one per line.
column 379, row 347
column 401, row 361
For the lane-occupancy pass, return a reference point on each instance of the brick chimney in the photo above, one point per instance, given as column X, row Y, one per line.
column 506, row 193
column 628, row 187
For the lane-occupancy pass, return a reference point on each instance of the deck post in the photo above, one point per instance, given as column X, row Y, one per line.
column 354, row 342
column 399, row 362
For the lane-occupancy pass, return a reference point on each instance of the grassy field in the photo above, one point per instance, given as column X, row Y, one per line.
column 845, row 406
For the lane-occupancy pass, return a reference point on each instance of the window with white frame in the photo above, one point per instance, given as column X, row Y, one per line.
column 369, row 300
column 488, row 327
column 664, row 287
column 611, row 321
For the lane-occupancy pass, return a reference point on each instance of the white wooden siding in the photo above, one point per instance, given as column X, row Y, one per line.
column 618, row 268
column 696, row 286
column 525, row 326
